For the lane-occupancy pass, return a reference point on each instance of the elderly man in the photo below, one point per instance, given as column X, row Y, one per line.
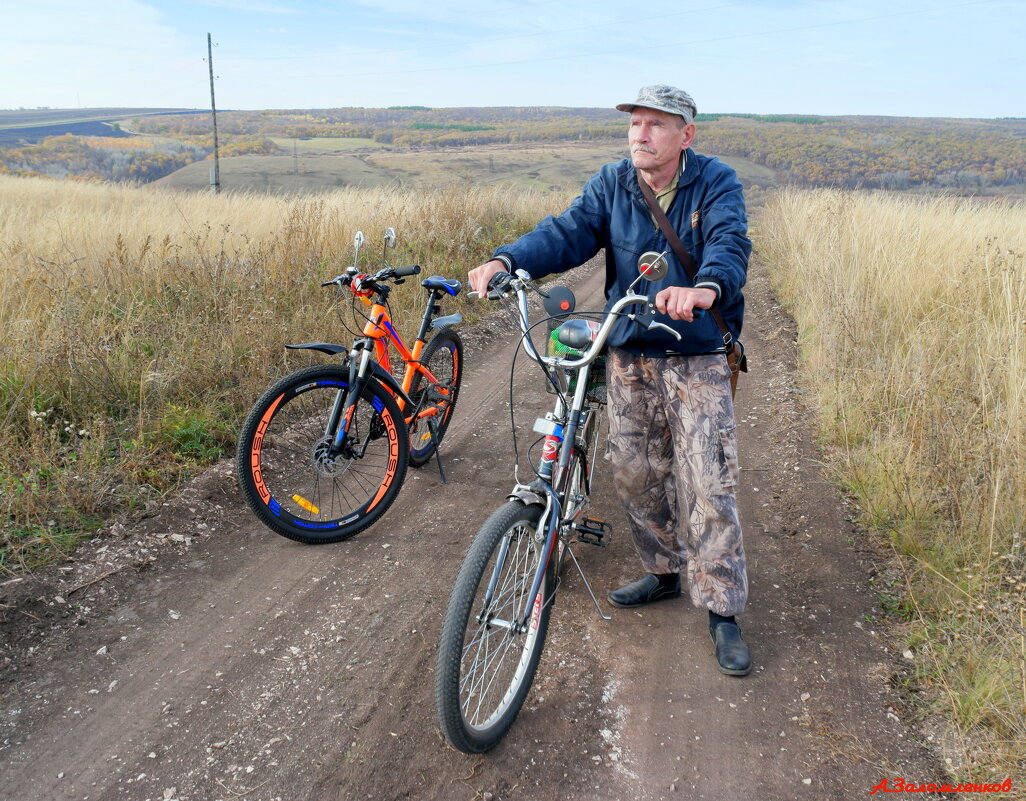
column 671, row 415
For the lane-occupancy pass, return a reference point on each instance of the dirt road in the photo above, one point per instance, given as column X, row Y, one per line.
column 198, row 656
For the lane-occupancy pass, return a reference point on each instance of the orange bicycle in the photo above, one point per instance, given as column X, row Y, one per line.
column 324, row 451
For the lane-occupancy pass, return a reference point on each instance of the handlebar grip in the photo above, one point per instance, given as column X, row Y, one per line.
column 402, row 272
column 498, row 284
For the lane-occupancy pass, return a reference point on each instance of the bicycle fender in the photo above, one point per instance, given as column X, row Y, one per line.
column 445, row 322
column 390, row 383
column 323, row 347
column 526, row 497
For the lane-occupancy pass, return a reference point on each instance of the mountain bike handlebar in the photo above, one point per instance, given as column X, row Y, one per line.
column 365, row 281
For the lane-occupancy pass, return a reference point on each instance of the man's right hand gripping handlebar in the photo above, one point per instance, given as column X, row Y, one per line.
column 481, row 278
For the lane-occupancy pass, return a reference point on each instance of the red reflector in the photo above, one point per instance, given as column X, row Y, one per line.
column 564, row 305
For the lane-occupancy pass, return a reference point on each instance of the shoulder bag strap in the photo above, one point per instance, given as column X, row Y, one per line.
column 682, row 254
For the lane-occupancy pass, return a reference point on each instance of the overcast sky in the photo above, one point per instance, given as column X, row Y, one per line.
column 906, row 58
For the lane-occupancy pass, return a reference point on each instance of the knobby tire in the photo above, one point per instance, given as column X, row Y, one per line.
column 484, row 671
column 443, row 357
column 287, row 475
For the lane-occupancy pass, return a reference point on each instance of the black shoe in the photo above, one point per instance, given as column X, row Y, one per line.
column 732, row 654
column 644, row 591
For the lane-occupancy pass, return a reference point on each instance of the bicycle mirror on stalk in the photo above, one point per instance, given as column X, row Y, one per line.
column 357, row 243
column 389, row 243
column 559, row 302
column 652, row 266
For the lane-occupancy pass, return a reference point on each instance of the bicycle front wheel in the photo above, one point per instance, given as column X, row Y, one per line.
column 486, row 662
column 443, row 357
column 288, row 473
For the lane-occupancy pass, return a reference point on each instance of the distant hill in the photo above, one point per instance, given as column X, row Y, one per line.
column 34, row 125
column 24, row 117
column 559, row 166
column 311, row 149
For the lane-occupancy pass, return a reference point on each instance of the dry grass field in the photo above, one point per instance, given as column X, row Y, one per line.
column 140, row 325
column 912, row 325
column 559, row 167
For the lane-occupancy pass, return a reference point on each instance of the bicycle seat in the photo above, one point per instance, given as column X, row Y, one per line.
column 450, row 285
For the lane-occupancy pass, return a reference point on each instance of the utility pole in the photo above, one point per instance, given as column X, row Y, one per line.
column 215, row 173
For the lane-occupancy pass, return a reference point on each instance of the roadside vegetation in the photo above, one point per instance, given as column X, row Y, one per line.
column 912, row 338
column 140, row 326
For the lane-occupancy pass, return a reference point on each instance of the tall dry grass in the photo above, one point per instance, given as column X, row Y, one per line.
column 138, row 327
column 912, row 333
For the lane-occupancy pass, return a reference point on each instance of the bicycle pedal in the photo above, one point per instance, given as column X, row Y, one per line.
column 592, row 531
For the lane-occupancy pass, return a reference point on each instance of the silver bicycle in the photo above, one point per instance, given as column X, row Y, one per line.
column 498, row 614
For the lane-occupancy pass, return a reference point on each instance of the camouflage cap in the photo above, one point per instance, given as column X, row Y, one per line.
column 664, row 98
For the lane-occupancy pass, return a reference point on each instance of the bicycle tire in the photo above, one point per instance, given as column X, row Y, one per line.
column 291, row 483
column 478, row 699
column 443, row 356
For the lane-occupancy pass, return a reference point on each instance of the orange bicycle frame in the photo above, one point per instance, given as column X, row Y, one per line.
column 380, row 329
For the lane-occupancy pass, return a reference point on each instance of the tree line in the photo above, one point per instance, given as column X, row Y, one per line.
column 883, row 152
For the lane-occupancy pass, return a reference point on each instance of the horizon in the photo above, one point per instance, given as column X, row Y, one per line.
column 931, row 59
column 414, row 107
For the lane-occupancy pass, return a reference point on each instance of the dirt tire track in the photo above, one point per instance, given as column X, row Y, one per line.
column 243, row 665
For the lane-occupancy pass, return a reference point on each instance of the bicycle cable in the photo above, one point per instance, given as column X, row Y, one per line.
column 545, row 371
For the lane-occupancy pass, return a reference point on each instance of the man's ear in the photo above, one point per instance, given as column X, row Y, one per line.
column 689, row 136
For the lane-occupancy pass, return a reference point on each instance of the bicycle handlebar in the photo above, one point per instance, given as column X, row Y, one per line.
column 505, row 284
column 368, row 281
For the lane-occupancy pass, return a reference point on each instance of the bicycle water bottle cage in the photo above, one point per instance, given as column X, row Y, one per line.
column 438, row 282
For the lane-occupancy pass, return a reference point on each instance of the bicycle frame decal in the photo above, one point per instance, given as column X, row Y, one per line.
column 393, row 457
column 258, row 441
column 536, row 612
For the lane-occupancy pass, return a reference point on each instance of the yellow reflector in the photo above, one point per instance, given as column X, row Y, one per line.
column 425, row 437
column 306, row 504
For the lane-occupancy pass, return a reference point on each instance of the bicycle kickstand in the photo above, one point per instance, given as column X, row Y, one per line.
column 587, row 585
column 438, row 449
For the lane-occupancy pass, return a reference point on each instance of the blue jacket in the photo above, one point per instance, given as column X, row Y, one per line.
column 708, row 214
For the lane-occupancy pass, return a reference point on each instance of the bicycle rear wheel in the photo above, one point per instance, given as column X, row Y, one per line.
column 287, row 473
column 485, row 664
column 443, row 357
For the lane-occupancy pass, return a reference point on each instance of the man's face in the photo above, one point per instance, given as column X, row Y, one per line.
column 657, row 138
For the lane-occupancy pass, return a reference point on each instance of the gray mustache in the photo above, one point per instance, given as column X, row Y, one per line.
column 645, row 148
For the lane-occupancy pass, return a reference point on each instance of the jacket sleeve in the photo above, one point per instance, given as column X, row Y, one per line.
column 560, row 243
column 725, row 232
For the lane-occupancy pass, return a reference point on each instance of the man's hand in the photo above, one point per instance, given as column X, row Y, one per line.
column 679, row 301
column 481, row 275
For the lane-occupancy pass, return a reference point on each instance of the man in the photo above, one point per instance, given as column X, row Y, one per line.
column 671, row 416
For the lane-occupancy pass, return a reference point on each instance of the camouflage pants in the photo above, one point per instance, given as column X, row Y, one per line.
column 673, row 450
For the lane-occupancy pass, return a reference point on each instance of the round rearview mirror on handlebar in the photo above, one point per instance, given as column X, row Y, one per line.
column 559, row 301
column 390, row 237
column 653, row 266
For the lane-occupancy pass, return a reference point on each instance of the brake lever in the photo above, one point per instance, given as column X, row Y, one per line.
column 665, row 327
column 530, row 283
